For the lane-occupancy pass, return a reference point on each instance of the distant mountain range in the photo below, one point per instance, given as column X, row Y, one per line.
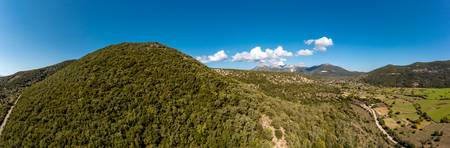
column 326, row 70
column 420, row 74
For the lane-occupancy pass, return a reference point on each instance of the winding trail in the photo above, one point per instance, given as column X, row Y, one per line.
column 7, row 116
column 374, row 115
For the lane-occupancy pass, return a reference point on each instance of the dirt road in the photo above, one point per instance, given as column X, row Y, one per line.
column 374, row 115
column 7, row 116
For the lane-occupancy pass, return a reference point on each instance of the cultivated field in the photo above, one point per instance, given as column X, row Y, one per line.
column 416, row 116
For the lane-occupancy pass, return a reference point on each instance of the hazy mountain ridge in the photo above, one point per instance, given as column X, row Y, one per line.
column 26, row 78
column 326, row 70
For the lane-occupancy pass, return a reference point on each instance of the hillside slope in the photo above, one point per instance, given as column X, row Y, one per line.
column 420, row 74
column 314, row 113
column 135, row 94
column 11, row 86
column 147, row 94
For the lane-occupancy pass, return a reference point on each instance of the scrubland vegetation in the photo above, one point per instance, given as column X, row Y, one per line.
column 146, row 94
column 11, row 86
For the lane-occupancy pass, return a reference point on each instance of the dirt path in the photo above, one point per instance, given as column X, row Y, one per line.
column 279, row 142
column 7, row 116
column 374, row 115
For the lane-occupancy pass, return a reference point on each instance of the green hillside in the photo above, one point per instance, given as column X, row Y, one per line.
column 147, row 94
column 134, row 95
column 11, row 86
column 314, row 112
column 420, row 74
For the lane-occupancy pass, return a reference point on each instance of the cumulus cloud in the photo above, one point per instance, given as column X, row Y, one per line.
column 304, row 52
column 218, row 56
column 271, row 57
column 320, row 44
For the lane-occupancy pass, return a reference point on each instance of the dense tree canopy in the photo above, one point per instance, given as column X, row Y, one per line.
column 146, row 94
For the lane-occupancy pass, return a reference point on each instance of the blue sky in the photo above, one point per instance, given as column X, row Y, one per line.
column 365, row 34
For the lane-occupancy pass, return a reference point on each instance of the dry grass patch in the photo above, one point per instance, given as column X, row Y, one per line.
column 382, row 111
column 391, row 123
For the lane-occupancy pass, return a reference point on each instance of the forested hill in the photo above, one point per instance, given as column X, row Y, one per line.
column 135, row 94
column 147, row 94
column 420, row 74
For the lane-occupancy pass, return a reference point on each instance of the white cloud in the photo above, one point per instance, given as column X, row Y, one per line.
column 304, row 52
column 320, row 44
column 271, row 57
column 280, row 52
column 276, row 62
column 309, row 42
column 218, row 56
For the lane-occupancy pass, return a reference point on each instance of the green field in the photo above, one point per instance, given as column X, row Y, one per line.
column 436, row 109
column 402, row 106
column 405, row 109
column 434, row 93
column 411, row 116
column 436, row 102
column 427, row 93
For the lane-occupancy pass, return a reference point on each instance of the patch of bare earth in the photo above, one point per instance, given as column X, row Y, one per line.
column 445, row 139
column 382, row 111
column 266, row 123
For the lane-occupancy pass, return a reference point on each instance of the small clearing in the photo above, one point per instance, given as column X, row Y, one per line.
column 382, row 111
